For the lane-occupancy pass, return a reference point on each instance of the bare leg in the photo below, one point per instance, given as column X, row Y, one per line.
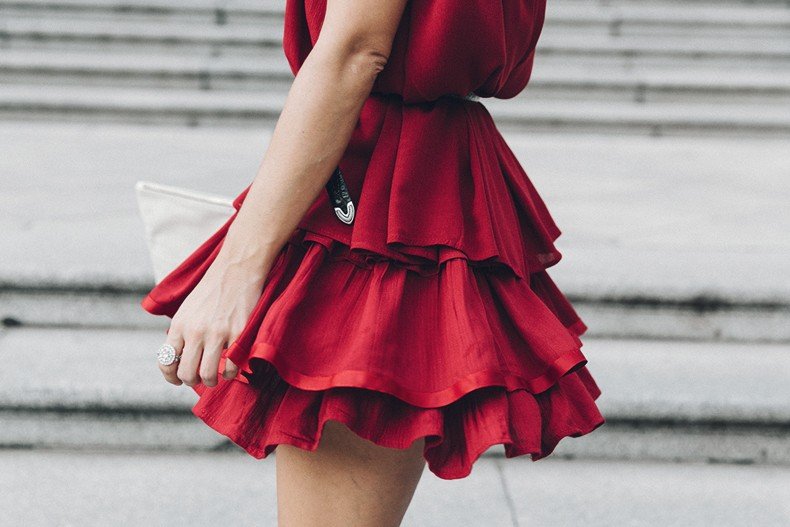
column 346, row 482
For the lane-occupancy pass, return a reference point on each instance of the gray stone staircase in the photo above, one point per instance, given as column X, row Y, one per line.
column 619, row 67
column 657, row 133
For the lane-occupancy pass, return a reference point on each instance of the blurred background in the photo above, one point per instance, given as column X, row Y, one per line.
column 658, row 134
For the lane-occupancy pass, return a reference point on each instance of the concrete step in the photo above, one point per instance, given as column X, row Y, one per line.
column 662, row 51
column 268, row 72
column 657, row 85
column 271, row 72
column 628, row 315
column 668, row 19
column 663, row 400
column 206, row 108
column 94, row 489
column 696, row 3
column 217, row 12
column 664, row 118
column 78, row 33
column 767, row 20
column 754, row 50
column 716, row 268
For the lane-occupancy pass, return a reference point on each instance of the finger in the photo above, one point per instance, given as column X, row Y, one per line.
column 209, row 363
column 190, row 361
column 174, row 339
column 231, row 370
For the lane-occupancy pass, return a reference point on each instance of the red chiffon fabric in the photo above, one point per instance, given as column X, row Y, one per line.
column 431, row 315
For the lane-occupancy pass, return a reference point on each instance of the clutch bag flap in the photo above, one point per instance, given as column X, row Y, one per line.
column 177, row 221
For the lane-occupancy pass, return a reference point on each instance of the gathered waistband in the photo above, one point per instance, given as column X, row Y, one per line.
column 468, row 97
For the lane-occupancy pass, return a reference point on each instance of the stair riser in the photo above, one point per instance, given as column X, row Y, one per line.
column 163, row 79
column 55, row 430
column 277, row 6
column 537, row 89
column 666, row 28
column 78, row 310
column 648, row 94
column 547, row 52
column 171, row 117
column 604, row 320
column 507, row 123
column 632, row 59
column 697, row 3
column 671, row 322
column 562, row 125
column 579, row 24
column 684, row 443
column 184, row 432
column 114, row 43
column 196, row 17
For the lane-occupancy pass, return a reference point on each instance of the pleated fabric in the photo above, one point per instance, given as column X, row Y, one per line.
column 432, row 314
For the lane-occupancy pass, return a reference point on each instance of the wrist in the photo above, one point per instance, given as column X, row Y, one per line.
column 250, row 257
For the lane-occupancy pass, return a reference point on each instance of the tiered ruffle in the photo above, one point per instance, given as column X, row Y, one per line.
column 432, row 315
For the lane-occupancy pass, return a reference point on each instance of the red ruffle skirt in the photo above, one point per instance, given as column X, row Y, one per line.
column 403, row 341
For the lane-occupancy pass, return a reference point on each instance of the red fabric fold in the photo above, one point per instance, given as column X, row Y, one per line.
column 328, row 317
column 270, row 412
column 527, row 387
column 436, row 177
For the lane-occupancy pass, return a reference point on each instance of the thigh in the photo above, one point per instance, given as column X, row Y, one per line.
column 347, row 481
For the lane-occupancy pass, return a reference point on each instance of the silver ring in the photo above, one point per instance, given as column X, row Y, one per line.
column 167, row 355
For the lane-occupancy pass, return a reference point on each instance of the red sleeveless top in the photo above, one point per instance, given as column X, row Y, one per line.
column 441, row 46
column 425, row 167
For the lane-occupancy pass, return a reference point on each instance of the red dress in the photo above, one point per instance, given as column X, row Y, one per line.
column 432, row 314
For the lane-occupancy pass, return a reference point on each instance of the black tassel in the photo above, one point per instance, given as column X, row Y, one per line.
column 340, row 198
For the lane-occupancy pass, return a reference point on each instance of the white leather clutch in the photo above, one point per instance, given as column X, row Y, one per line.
column 177, row 221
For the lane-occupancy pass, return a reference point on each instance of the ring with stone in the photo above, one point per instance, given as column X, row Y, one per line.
column 167, row 355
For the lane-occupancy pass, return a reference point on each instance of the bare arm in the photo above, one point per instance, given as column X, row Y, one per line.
column 314, row 128
column 313, row 131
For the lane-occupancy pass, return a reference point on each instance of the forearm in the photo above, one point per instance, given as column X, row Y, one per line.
column 309, row 139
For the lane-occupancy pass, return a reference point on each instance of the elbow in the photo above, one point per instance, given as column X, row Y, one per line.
column 371, row 59
column 360, row 57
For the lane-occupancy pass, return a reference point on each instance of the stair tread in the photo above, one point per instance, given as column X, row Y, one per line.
column 174, row 100
column 645, row 380
column 144, row 29
column 608, row 194
column 271, row 31
column 269, row 64
column 733, row 13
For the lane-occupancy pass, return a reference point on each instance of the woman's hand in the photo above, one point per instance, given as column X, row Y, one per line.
column 212, row 317
column 311, row 135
